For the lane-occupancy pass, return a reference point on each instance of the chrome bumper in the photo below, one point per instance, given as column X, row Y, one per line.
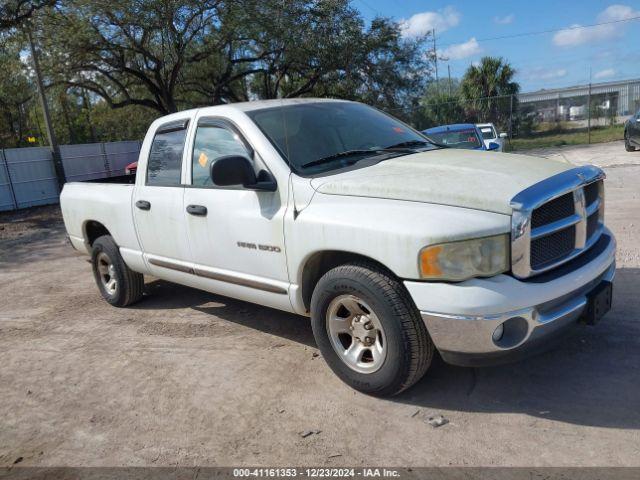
column 469, row 340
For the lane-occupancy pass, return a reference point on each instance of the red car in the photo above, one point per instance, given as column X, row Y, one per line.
column 131, row 168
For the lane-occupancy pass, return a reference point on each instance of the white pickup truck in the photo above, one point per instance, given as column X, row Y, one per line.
column 394, row 246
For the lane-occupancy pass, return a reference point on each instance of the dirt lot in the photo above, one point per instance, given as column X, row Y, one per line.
column 189, row 378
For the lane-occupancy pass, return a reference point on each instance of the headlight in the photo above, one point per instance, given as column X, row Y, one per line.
column 480, row 257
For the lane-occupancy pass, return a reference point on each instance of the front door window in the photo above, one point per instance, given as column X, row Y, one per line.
column 211, row 143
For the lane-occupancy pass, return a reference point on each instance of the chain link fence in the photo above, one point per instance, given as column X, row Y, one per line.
column 574, row 115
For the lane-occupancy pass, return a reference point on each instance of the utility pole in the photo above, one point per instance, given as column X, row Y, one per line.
column 51, row 136
column 449, row 72
column 589, row 110
column 435, row 57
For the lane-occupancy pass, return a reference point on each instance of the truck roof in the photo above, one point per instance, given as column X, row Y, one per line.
column 454, row 127
column 260, row 104
column 247, row 106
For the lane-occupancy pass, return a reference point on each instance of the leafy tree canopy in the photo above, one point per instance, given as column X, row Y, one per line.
column 161, row 56
column 15, row 12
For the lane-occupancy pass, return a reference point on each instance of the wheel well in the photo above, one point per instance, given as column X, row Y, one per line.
column 93, row 230
column 320, row 263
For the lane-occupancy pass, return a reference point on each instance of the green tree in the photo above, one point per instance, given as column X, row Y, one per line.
column 441, row 104
column 145, row 58
column 172, row 54
column 387, row 71
column 486, row 89
column 14, row 12
column 129, row 52
column 16, row 94
column 128, row 123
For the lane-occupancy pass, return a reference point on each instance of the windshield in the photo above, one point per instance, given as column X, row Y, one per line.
column 319, row 137
column 488, row 133
column 466, row 138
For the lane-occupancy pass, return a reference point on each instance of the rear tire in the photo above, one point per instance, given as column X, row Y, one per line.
column 377, row 322
column 118, row 284
column 627, row 143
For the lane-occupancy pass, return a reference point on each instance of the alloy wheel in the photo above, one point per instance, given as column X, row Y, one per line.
column 356, row 333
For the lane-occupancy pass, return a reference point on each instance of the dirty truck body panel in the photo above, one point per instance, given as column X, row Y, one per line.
column 399, row 212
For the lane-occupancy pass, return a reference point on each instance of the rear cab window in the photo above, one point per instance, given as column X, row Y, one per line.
column 164, row 167
column 488, row 133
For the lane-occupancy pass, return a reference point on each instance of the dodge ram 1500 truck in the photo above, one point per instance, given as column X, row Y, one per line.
column 331, row 209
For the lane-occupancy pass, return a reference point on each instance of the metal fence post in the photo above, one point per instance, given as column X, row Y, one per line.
column 589, row 111
column 9, row 183
column 105, row 159
column 510, row 118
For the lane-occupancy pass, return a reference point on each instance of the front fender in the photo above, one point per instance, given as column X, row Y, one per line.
column 391, row 232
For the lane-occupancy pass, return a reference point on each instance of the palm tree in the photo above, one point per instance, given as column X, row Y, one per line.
column 488, row 87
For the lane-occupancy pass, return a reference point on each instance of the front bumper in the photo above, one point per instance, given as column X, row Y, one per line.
column 462, row 317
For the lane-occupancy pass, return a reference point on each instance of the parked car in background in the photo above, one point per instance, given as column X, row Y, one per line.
column 459, row 135
column 131, row 168
column 632, row 133
column 490, row 134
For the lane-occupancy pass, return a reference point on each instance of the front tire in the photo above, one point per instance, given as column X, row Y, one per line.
column 627, row 143
column 118, row 284
column 368, row 329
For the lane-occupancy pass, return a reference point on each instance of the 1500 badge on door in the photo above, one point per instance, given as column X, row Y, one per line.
column 264, row 248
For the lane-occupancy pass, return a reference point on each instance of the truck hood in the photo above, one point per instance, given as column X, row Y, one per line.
column 461, row 178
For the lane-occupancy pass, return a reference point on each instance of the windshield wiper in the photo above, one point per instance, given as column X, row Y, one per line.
column 409, row 143
column 439, row 145
column 346, row 153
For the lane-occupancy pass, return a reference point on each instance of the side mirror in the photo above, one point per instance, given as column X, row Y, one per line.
column 234, row 170
column 493, row 146
column 503, row 135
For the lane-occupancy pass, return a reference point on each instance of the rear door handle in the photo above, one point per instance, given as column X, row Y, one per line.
column 198, row 210
column 143, row 205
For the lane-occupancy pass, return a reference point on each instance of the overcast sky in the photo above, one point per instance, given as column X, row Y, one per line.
column 558, row 59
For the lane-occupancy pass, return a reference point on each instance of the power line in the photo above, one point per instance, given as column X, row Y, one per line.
column 369, row 7
column 542, row 32
column 525, row 34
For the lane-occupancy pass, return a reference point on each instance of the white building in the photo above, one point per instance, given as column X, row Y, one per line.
column 623, row 95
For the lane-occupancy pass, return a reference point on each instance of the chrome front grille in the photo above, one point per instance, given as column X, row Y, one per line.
column 557, row 209
column 555, row 220
column 591, row 192
column 553, row 247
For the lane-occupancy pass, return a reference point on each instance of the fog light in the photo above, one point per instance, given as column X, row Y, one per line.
column 497, row 333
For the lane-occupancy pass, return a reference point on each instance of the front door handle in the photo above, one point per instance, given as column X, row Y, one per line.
column 198, row 210
column 143, row 205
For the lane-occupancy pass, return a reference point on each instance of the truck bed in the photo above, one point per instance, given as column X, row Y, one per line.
column 106, row 202
column 129, row 179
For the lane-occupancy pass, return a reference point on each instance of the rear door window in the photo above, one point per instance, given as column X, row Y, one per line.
column 165, row 159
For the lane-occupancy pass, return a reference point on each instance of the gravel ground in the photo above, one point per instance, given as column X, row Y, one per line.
column 189, row 378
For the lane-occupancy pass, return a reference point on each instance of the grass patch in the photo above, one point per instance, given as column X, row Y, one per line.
column 557, row 139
